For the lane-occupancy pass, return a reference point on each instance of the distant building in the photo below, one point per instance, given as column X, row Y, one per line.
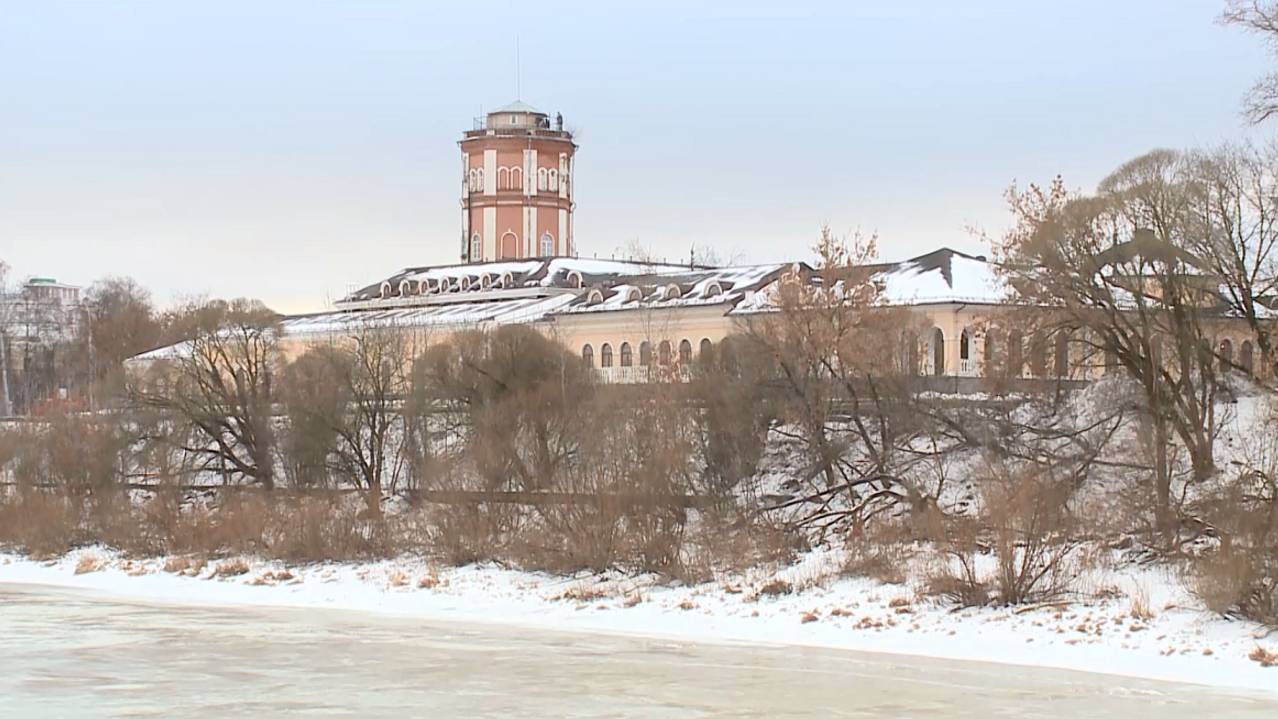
column 517, row 186
column 36, row 322
column 632, row 320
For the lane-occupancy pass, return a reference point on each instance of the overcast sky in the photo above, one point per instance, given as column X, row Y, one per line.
column 288, row 150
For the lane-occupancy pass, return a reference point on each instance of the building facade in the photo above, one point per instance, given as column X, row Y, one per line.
column 517, row 188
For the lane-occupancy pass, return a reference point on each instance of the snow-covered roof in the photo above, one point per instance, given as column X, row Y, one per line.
column 561, row 272
column 461, row 314
column 943, row 276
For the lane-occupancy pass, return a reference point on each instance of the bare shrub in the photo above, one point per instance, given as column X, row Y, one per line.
column 1240, row 578
column 41, row 523
column 1025, row 528
column 882, row 553
column 461, row 534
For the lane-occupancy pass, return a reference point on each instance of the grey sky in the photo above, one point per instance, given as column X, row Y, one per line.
column 286, row 150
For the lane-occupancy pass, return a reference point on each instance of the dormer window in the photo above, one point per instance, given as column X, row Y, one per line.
column 713, row 289
column 507, row 280
column 595, row 297
column 405, row 287
column 444, row 285
column 485, row 281
column 386, row 290
column 574, row 279
column 671, row 293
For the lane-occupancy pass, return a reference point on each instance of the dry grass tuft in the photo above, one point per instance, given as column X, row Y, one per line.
column 230, row 568
column 1264, row 657
column 1139, row 608
column 89, row 562
column 775, row 588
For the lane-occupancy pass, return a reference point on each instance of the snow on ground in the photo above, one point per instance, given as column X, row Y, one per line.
column 1172, row 641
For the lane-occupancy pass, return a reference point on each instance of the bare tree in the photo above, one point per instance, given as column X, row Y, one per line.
column 1259, row 17
column 1114, row 270
column 842, row 383
column 219, row 382
column 1234, row 210
column 348, row 396
column 516, row 395
column 119, row 322
column 6, row 315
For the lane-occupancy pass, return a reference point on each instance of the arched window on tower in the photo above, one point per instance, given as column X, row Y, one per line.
column 552, row 180
column 541, row 178
column 517, row 178
column 547, row 245
column 476, row 248
column 503, row 178
column 479, row 180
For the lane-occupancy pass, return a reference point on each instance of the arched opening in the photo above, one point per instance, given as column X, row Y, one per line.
column 626, row 359
column 1060, row 363
column 663, row 353
column 713, row 289
column 509, row 245
column 1015, row 353
column 1038, row 355
column 989, row 354
column 547, row 245
column 588, row 356
column 909, row 355
column 405, row 288
column 595, row 297
column 574, row 279
column 605, row 355
column 385, row 290
column 1246, row 362
column 1226, row 354
column 671, row 292
column 503, row 178
column 516, row 178
column 967, row 363
column 706, row 348
column 936, row 353
column 645, row 354
column 685, row 352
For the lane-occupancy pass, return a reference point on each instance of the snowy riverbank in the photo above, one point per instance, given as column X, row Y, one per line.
column 1174, row 641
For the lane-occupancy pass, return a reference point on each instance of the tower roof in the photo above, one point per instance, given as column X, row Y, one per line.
column 518, row 106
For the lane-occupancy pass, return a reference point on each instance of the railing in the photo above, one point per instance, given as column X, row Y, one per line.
column 642, row 374
column 968, row 367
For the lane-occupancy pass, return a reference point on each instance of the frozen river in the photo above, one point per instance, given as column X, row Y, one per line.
column 65, row 654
